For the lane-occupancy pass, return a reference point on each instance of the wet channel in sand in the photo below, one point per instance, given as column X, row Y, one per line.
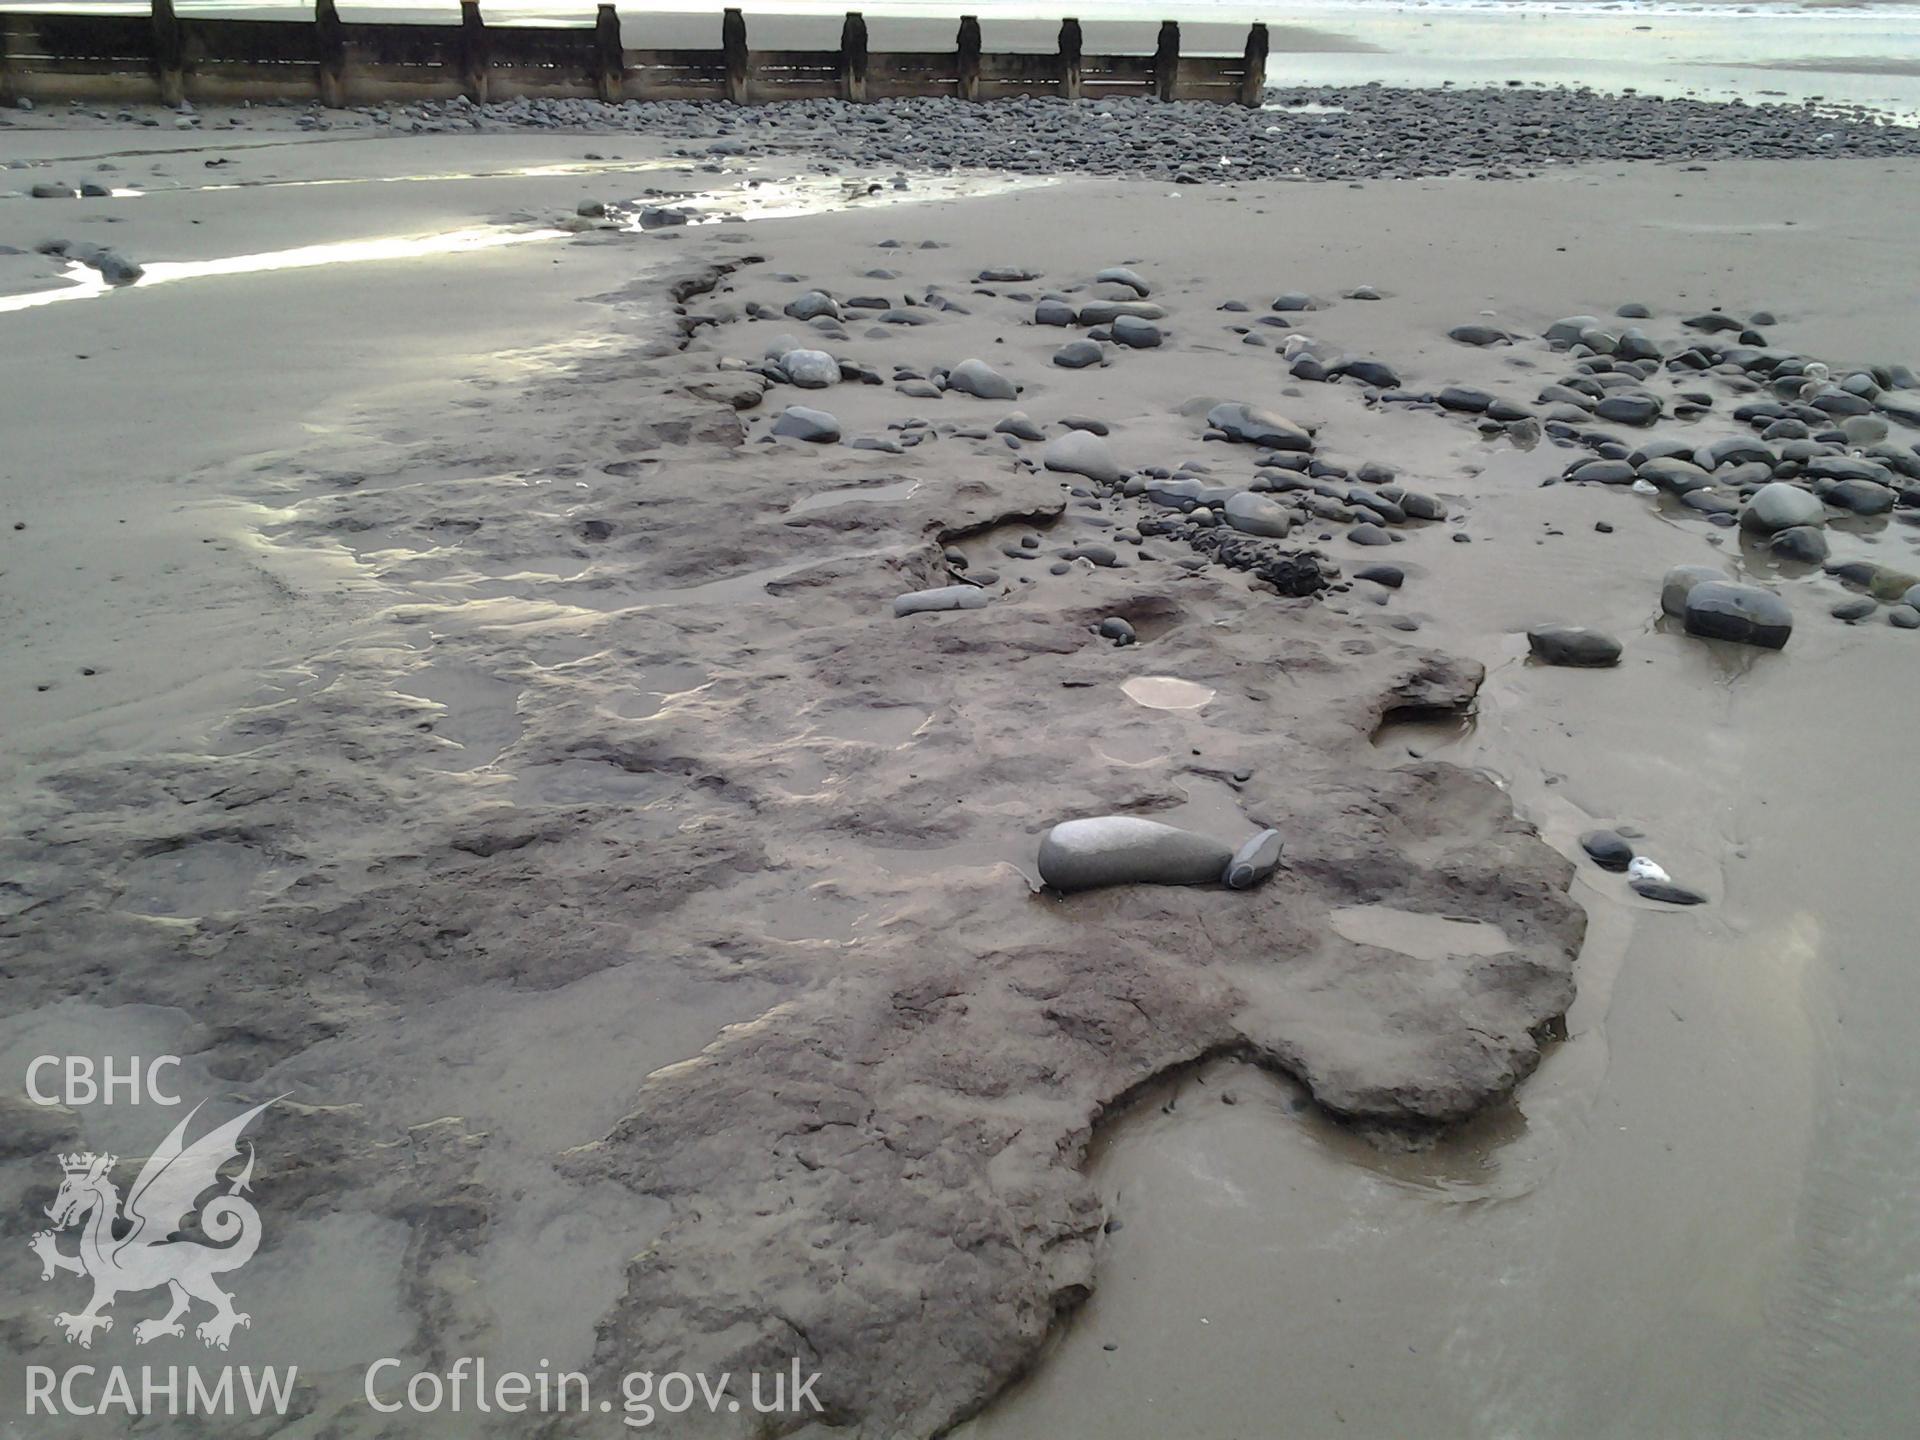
column 748, row 200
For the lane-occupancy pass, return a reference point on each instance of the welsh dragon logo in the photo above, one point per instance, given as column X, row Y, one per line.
column 130, row 1247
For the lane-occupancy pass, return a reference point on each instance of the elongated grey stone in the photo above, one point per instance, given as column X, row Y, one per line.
column 943, row 597
column 1126, row 850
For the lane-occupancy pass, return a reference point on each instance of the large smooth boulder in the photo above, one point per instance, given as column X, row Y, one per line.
column 1126, row 850
column 1255, row 426
column 1721, row 610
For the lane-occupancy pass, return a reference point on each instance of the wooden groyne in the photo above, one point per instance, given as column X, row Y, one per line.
column 170, row 58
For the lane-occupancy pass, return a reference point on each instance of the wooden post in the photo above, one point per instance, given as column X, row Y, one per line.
column 609, row 59
column 1070, row 59
column 169, row 60
column 330, row 43
column 1166, row 60
column 1253, row 84
column 969, row 57
column 7, row 97
column 474, row 59
column 733, row 40
column 853, row 57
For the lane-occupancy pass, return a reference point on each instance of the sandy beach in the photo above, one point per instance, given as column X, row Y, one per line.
column 458, row 692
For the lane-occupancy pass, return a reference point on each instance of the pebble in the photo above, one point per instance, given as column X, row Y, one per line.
column 1106, row 312
column 1416, row 505
column 1255, row 514
column 1680, row 582
column 1629, row 409
column 1135, row 333
column 977, row 378
column 1463, row 397
column 1369, row 372
column 1800, row 544
column 1903, row 617
column 1667, row 892
column 1572, row 645
column 1020, row 427
column 1081, row 452
column 810, row 369
column 802, row 423
column 1882, row 582
column 1118, row 630
column 1254, row 426
column 1254, row 861
column 1608, row 849
column 1604, row 472
column 1079, row 354
column 1670, row 472
column 1862, row 497
column 1120, row 275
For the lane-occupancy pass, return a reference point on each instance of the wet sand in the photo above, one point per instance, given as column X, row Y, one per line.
column 1694, row 1218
